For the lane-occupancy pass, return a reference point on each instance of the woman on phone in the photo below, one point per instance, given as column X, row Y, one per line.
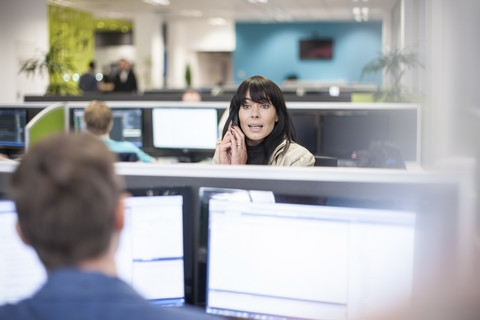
column 259, row 129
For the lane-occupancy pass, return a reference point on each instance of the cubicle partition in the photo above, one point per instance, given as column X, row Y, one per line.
column 292, row 92
column 344, row 131
column 430, row 203
column 403, row 232
column 359, row 134
column 50, row 120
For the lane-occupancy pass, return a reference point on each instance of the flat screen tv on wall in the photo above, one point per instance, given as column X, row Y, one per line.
column 316, row 49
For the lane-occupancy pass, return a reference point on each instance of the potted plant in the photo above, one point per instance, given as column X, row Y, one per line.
column 57, row 65
column 393, row 64
column 188, row 75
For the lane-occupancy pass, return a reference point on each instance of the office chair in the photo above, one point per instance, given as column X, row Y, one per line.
column 325, row 161
column 381, row 154
column 127, row 157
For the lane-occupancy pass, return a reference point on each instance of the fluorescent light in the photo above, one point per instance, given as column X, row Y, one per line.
column 217, row 21
column 158, row 2
column 191, row 13
column 61, row 3
column 360, row 14
column 279, row 15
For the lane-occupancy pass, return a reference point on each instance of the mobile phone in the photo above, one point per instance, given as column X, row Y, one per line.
column 235, row 120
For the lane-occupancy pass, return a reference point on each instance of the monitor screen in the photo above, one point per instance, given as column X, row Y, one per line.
column 316, row 49
column 185, row 128
column 21, row 272
column 155, row 254
column 12, row 127
column 272, row 260
column 152, row 255
column 127, row 124
column 344, row 134
column 306, row 129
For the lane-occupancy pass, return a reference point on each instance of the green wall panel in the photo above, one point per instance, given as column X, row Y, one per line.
column 73, row 32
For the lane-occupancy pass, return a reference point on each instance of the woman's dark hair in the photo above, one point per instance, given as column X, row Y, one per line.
column 264, row 90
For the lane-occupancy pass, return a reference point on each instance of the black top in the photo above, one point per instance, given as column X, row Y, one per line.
column 256, row 154
column 130, row 85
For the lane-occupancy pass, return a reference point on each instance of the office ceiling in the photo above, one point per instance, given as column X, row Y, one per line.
column 238, row 10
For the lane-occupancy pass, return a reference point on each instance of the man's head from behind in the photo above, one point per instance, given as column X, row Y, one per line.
column 191, row 95
column 98, row 118
column 67, row 197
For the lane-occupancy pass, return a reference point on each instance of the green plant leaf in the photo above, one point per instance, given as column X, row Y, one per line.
column 393, row 64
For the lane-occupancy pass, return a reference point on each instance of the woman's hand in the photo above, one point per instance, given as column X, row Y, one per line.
column 232, row 147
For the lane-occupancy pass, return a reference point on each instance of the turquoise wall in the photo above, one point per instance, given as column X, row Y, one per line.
column 272, row 50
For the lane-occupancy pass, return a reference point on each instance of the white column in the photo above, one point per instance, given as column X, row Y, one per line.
column 148, row 41
column 435, row 126
column 177, row 53
column 414, row 39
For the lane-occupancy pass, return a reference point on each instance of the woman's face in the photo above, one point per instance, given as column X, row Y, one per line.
column 256, row 120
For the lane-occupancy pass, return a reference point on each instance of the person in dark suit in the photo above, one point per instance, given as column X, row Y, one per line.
column 70, row 206
column 125, row 79
column 88, row 82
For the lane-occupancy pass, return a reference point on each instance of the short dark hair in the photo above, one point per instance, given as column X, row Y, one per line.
column 66, row 193
column 98, row 117
column 264, row 90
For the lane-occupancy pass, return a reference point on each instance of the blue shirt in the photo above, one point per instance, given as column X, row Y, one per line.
column 126, row 146
column 71, row 294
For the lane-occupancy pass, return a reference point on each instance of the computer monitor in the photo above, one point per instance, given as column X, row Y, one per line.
column 127, row 124
column 351, row 134
column 152, row 255
column 307, row 129
column 275, row 257
column 344, row 133
column 185, row 132
column 21, row 271
column 12, row 127
column 155, row 254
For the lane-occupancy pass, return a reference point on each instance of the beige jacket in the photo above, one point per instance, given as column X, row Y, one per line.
column 295, row 155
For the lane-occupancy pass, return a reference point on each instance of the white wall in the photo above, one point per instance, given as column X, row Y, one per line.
column 23, row 34
column 105, row 56
column 460, row 50
column 185, row 39
column 441, row 32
